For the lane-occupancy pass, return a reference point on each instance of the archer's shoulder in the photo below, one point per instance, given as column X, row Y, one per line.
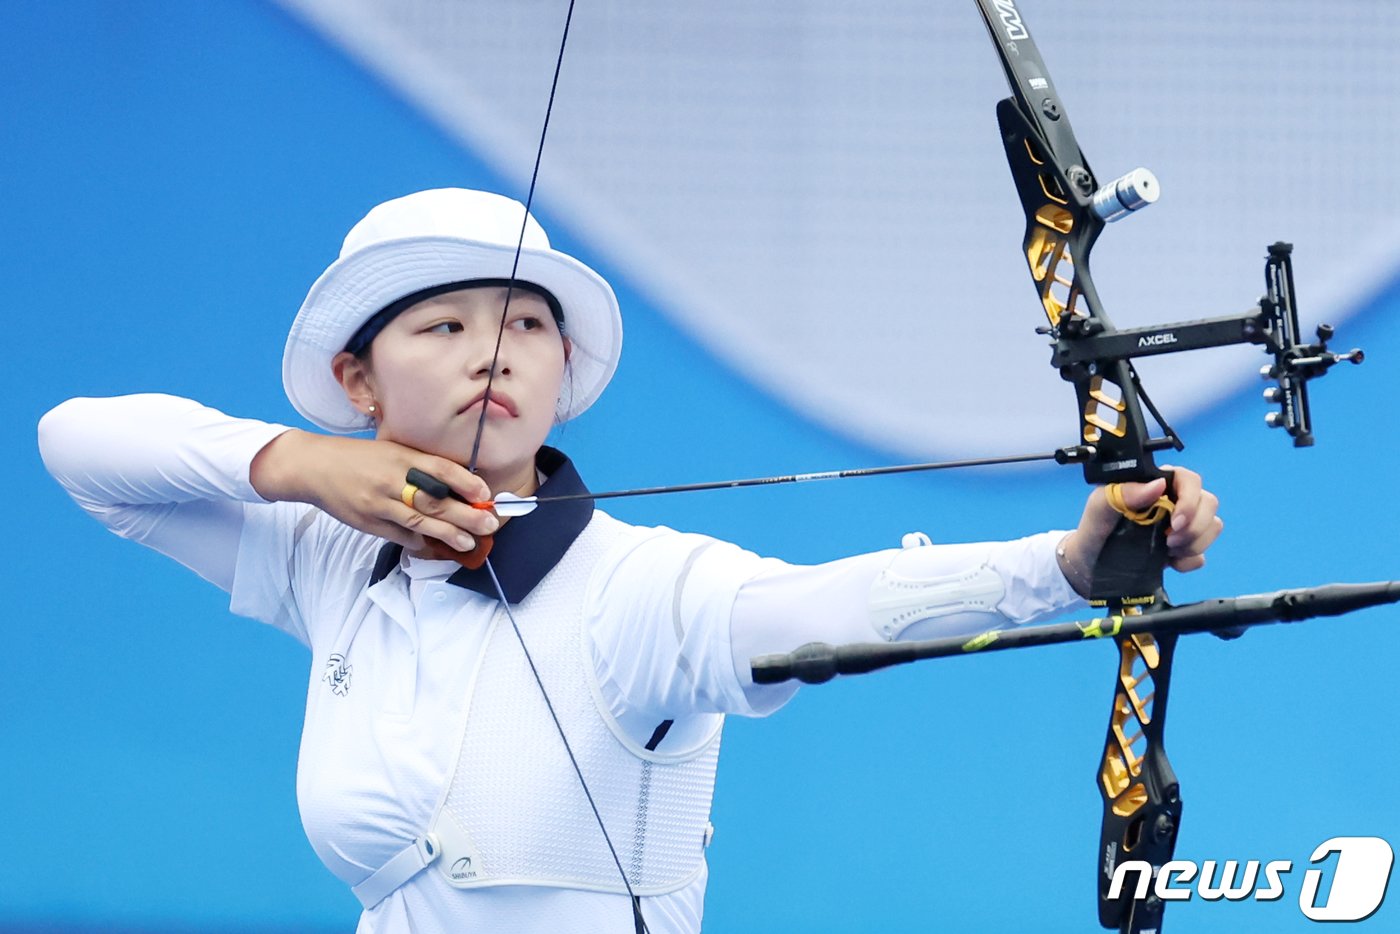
column 641, row 557
column 628, row 537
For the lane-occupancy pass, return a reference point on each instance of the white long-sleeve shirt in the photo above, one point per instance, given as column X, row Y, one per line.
column 676, row 619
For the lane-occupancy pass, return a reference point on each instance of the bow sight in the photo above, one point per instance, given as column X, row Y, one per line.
column 1083, row 345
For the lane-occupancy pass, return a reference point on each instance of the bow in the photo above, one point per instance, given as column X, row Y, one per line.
column 1066, row 208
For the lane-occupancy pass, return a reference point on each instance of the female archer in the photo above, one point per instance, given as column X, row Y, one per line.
column 527, row 743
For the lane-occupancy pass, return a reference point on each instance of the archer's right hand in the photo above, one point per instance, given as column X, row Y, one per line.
column 361, row 483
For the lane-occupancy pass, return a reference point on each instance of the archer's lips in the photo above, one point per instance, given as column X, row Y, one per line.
column 500, row 404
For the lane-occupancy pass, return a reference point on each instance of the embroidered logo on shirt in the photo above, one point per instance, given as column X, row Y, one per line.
column 337, row 675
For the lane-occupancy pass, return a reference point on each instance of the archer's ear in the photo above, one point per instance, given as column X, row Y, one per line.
column 568, row 349
column 356, row 380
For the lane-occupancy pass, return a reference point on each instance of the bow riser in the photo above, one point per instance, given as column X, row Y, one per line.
column 1060, row 233
column 1142, row 804
column 1061, row 229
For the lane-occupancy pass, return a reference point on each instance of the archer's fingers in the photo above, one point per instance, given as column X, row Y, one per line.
column 1196, row 543
column 397, row 534
column 417, row 523
column 462, row 517
column 1197, row 527
column 467, row 485
column 1142, row 495
column 1191, row 563
column 1186, row 494
column 449, row 497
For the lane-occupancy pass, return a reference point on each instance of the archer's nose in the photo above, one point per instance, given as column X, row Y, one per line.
column 486, row 358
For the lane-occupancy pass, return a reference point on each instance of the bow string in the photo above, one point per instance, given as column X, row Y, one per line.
column 482, row 552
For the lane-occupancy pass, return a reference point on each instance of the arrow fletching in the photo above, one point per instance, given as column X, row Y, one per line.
column 508, row 505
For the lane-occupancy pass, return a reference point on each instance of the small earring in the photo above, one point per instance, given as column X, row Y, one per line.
column 373, row 409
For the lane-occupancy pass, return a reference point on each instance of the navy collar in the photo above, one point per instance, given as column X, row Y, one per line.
column 527, row 547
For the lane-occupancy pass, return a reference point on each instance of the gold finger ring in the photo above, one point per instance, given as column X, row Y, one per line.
column 408, row 493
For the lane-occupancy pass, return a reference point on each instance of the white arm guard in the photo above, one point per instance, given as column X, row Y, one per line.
column 923, row 591
column 901, row 596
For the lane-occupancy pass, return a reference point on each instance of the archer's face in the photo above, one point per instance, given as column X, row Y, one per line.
column 429, row 369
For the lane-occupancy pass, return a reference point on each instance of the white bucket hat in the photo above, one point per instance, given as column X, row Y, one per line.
column 432, row 238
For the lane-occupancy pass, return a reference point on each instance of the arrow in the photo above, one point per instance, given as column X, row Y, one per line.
column 509, row 505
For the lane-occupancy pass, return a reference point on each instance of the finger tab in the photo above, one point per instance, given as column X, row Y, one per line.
column 475, row 558
column 428, row 483
column 471, row 560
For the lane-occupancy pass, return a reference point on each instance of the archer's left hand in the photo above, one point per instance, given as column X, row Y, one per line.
column 1195, row 524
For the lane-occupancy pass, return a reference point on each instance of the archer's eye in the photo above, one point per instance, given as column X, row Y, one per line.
column 527, row 323
column 445, row 327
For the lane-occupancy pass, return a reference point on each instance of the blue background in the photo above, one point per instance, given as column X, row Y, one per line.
column 174, row 177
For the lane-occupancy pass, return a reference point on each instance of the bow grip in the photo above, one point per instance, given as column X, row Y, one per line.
column 1129, row 567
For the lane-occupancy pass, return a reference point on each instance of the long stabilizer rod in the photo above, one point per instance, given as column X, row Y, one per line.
column 818, row 662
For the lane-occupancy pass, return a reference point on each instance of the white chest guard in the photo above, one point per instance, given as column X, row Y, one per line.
column 514, row 812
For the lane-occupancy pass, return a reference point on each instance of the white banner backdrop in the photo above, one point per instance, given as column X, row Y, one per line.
column 816, row 190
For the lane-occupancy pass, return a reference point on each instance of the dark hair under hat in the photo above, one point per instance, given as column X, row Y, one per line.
column 368, row 331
